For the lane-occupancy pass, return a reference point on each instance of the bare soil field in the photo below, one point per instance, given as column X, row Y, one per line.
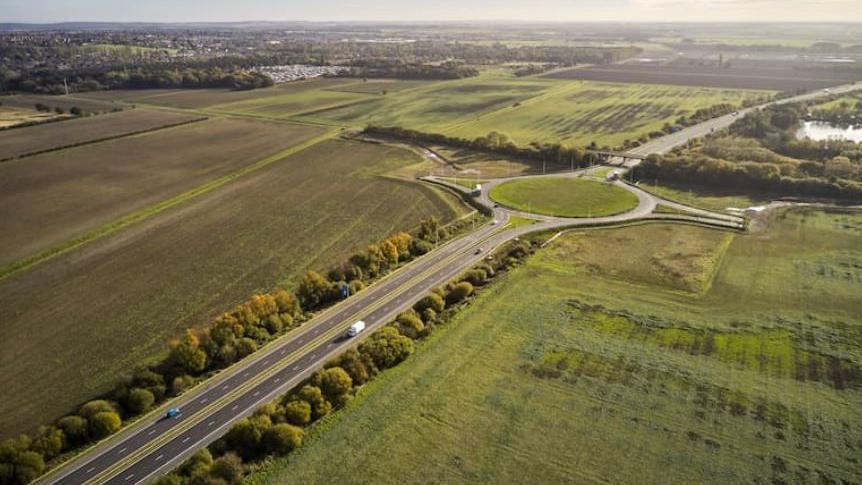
column 29, row 101
column 202, row 98
column 50, row 136
column 74, row 325
column 741, row 75
column 50, row 198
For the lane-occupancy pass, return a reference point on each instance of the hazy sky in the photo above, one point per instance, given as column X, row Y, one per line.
column 557, row 10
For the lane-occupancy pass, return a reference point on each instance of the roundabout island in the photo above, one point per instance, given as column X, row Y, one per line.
column 564, row 197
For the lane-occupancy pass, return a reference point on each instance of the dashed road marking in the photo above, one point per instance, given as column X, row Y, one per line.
column 211, row 423
column 151, row 432
column 186, row 439
column 224, row 387
column 234, row 407
column 202, row 401
column 123, row 450
column 256, row 393
column 159, row 457
column 131, row 475
column 90, row 469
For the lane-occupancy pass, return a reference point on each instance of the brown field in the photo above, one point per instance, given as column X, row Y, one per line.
column 10, row 117
column 34, row 139
column 741, row 75
column 75, row 324
column 202, row 98
column 50, row 198
column 65, row 102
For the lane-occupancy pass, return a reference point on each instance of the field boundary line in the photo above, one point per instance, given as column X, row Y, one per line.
column 142, row 214
column 107, row 138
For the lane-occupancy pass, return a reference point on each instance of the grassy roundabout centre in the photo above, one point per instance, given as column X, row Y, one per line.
column 564, row 197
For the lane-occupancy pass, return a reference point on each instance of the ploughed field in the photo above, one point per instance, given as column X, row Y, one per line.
column 48, row 199
column 741, row 74
column 564, row 197
column 76, row 131
column 648, row 354
column 76, row 324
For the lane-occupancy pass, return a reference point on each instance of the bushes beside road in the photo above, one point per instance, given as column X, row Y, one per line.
column 201, row 351
column 277, row 428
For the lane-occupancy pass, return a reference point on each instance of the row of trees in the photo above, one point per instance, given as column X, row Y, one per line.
column 145, row 77
column 704, row 170
column 385, row 68
column 230, row 337
column 557, row 156
column 277, row 428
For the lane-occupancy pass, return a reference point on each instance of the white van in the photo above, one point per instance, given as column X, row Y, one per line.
column 355, row 328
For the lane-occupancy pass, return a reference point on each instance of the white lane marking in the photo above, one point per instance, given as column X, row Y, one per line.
column 283, row 351
column 256, row 393
column 159, row 457
column 313, row 355
column 211, row 423
column 203, row 400
column 186, row 439
column 224, row 387
column 234, row 407
column 265, row 362
column 296, row 367
column 90, row 469
column 129, row 477
column 245, row 375
column 122, row 451
column 151, row 432
column 277, row 379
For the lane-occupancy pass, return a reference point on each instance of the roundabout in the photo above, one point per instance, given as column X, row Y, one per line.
column 567, row 197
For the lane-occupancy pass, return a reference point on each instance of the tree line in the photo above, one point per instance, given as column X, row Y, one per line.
column 556, row 155
column 760, row 151
column 200, row 352
column 383, row 68
column 148, row 77
column 278, row 427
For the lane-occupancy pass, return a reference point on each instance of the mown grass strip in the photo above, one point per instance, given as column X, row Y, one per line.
column 142, row 214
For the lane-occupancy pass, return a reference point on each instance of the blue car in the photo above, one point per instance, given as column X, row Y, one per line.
column 173, row 413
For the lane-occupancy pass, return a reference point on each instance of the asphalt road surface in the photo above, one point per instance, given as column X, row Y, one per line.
column 155, row 445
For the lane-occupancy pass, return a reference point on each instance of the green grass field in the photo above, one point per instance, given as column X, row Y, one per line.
column 606, row 113
column 564, row 197
column 76, row 324
column 687, row 358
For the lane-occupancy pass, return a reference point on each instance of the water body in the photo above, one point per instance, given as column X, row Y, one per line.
column 821, row 130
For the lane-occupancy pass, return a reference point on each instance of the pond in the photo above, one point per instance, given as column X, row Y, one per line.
column 821, row 130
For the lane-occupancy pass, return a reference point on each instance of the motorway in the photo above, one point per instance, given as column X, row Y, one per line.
column 153, row 445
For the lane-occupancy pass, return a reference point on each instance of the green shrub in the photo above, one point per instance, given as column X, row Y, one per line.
column 139, row 400
column 104, row 424
column 282, row 438
column 228, row 468
column 459, row 292
column 297, row 412
column 74, row 428
column 336, row 385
